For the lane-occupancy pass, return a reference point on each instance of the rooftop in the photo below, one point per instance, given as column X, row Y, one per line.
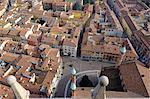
column 136, row 78
column 85, row 92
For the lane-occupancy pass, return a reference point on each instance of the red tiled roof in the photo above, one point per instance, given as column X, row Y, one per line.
column 130, row 23
column 136, row 78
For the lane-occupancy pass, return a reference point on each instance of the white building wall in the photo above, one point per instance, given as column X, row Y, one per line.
column 2, row 11
column 113, row 32
column 71, row 50
column 3, row 44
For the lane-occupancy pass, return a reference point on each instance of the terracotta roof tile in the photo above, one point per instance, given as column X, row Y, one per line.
column 136, row 78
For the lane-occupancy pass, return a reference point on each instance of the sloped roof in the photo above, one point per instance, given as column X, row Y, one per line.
column 136, row 78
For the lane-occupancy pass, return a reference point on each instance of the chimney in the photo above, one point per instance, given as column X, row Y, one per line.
column 8, row 71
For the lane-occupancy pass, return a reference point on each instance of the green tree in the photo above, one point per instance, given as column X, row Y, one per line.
column 78, row 6
column 87, row 1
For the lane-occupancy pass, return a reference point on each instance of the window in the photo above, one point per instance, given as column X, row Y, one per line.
column 97, row 52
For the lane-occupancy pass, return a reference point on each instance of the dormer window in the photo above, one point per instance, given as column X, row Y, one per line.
column 142, row 75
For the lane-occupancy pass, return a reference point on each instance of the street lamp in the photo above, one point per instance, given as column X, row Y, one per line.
column 73, row 71
column 73, row 81
column 99, row 92
column 73, row 86
column 123, row 52
column 19, row 91
column 103, row 80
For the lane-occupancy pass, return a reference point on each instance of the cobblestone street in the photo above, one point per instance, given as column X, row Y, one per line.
column 83, row 65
